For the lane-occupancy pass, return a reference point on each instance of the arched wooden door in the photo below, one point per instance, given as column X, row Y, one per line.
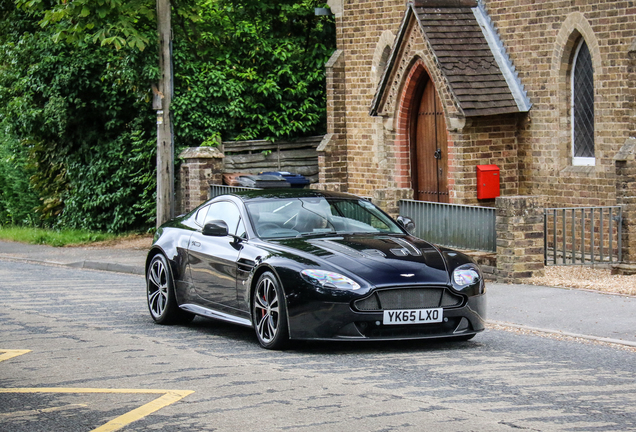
column 430, row 149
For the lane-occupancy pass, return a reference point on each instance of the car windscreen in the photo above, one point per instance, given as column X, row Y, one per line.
column 295, row 217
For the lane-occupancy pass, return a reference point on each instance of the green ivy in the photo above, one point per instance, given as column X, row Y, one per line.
column 120, row 188
column 18, row 200
column 251, row 70
column 83, row 117
column 75, row 101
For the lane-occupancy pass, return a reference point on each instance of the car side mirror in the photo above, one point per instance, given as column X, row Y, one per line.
column 406, row 223
column 215, row 228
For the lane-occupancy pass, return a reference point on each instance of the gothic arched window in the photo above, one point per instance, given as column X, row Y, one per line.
column 582, row 89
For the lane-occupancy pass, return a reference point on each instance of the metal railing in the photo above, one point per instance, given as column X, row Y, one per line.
column 216, row 190
column 582, row 235
column 453, row 225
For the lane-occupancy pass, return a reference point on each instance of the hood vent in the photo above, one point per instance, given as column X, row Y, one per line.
column 374, row 253
column 331, row 246
column 406, row 248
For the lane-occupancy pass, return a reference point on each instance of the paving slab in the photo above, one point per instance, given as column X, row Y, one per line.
column 119, row 260
column 574, row 311
column 607, row 317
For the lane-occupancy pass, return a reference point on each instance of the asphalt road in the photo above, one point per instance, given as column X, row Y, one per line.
column 98, row 362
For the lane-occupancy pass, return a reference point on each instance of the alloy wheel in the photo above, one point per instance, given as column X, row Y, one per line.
column 157, row 288
column 266, row 310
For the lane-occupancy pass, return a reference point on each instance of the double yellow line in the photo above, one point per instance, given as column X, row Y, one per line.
column 168, row 397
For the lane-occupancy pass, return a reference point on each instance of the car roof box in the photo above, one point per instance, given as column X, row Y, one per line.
column 263, row 181
column 295, row 180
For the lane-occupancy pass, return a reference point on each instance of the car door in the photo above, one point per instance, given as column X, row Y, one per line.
column 213, row 260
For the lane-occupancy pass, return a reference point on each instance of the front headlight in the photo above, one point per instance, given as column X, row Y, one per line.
column 329, row 279
column 466, row 275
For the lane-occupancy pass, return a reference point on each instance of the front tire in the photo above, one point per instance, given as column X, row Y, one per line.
column 162, row 302
column 269, row 313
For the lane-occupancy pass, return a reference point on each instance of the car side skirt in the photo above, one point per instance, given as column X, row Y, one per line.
column 209, row 313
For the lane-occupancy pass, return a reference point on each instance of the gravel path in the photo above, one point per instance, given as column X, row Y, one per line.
column 597, row 279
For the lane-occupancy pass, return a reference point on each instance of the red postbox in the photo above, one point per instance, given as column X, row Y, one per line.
column 487, row 181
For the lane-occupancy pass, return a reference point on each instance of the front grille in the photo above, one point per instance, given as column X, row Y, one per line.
column 408, row 298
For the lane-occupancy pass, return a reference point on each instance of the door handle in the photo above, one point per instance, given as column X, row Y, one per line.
column 195, row 243
column 438, row 154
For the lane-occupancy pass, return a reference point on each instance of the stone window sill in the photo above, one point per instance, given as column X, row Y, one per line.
column 583, row 171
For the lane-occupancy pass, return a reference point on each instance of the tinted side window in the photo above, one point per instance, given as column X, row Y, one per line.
column 227, row 212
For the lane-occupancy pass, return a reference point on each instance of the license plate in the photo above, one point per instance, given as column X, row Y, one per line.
column 413, row 316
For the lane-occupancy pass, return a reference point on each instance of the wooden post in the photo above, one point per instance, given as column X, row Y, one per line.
column 165, row 142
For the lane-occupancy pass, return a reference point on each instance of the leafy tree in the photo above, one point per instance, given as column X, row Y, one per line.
column 117, row 22
column 244, row 69
column 75, row 79
column 82, row 113
column 251, row 70
column 18, row 200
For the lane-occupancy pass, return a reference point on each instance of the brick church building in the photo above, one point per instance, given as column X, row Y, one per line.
column 422, row 92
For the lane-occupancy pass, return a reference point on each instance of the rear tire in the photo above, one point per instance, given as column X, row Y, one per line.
column 162, row 302
column 269, row 313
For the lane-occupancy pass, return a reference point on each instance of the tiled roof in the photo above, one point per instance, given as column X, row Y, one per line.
column 466, row 58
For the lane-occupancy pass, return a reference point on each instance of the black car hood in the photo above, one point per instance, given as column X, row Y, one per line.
column 379, row 259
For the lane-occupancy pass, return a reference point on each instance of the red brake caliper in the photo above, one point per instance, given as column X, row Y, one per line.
column 264, row 301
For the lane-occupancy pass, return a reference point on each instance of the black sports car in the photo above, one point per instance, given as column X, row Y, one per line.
column 306, row 264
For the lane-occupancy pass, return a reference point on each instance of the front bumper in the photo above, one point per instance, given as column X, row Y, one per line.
column 324, row 320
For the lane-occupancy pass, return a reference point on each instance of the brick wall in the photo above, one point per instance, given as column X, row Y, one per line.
column 332, row 152
column 362, row 25
column 201, row 167
column 631, row 88
column 532, row 150
column 625, row 162
column 540, row 38
column 486, row 140
column 378, row 148
column 519, row 238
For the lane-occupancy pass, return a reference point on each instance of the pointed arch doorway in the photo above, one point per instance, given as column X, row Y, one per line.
column 429, row 146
